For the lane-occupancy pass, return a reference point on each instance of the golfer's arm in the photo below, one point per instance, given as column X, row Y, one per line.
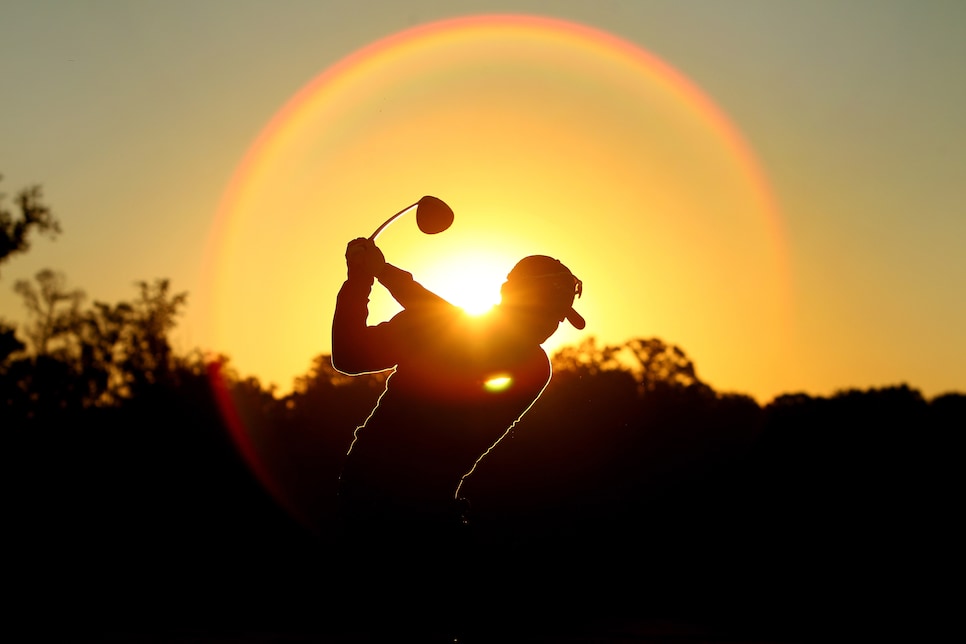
column 407, row 291
column 356, row 347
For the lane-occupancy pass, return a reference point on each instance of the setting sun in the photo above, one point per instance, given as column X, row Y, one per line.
column 469, row 280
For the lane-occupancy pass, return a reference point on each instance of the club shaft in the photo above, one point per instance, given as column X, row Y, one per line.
column 390, row 220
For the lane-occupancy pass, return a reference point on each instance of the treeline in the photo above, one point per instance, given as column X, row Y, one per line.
column 631, row 488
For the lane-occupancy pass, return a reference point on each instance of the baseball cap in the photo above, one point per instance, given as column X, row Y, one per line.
column 554, row 281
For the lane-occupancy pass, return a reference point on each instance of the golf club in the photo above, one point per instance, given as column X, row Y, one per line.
column 432, row 216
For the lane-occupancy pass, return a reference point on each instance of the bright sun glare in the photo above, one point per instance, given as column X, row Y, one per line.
column 473, row 286
column 465, row 272
column 463, row 265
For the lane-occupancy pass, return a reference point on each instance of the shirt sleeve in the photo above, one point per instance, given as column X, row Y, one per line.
column 355, row 347
column 407, row 291
column 358, row 348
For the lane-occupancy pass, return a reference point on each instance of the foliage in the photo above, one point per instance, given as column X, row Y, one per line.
column 53, row 311
column 34, row 216
column 9, row 344
column 655, row 365
column 87, row 357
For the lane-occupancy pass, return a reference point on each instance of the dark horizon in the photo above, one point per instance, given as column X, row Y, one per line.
column 631, row 492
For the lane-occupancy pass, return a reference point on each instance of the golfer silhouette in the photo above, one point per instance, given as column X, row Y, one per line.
column 459, row 383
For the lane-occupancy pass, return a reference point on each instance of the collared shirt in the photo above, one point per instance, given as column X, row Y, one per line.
column 459, row 383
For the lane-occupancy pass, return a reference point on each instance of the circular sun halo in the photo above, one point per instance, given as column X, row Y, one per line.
column 339, row 127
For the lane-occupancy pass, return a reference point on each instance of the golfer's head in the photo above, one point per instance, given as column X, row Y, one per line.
column 542, row 289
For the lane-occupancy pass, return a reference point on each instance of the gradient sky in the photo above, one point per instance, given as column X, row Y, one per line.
column 150, row 127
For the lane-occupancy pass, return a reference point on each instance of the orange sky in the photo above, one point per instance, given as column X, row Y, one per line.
column 621, row 168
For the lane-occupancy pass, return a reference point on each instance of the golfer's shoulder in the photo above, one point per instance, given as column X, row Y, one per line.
column 433, row 317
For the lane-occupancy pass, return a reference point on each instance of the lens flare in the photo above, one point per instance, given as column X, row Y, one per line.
column 498, row 383
column 545, row 137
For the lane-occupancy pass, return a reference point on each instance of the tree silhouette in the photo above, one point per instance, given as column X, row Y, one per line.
column 9, row 344
column 34, row 215
column 52, row 309
column 103, row 339
column 88, row 357
column 149, row 357
column 655, row 364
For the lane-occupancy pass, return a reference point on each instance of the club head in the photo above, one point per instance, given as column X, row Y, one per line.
column 433, row 215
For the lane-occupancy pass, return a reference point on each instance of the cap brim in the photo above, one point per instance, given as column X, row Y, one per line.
column 576, row 319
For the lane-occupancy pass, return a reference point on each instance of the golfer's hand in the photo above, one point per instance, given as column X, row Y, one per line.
column 364, row 259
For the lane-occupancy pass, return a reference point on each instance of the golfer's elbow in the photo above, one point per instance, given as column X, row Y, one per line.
column 348, row 362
